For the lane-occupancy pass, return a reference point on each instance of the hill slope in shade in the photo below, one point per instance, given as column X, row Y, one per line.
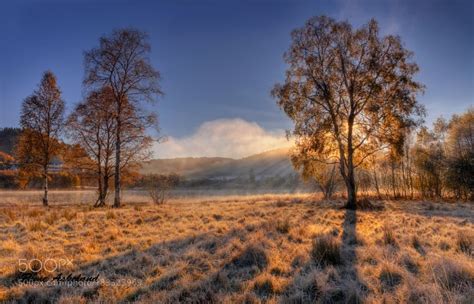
column 8, row 139
column 266, row 164
column 182, row 166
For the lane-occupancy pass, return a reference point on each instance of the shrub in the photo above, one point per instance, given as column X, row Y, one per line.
column 326, row 250
column 159, row 186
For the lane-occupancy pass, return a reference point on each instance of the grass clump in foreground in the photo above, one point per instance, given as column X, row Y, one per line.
column 326, row 250
column 252, row 256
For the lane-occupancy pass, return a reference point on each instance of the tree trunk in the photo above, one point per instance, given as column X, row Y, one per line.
column 393, row 179
column 99, row 182
column 350, row 178
column 351, row 190
column 105, row 190
column 117, row 160
column 377, row 188
column 45, row 197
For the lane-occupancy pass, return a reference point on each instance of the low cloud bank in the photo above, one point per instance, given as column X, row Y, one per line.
column 235, row 138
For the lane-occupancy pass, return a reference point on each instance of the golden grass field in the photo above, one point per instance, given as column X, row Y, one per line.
column 241, row 249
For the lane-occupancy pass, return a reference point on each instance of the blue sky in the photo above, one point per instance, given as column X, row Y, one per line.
column 220, row 59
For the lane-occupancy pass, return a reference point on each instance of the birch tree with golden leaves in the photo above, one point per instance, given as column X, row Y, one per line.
column 92, row 125
column 42, row 119
column 121, row 62
column 350, row 93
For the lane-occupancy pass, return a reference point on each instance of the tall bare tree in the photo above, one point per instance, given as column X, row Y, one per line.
column 121, row 62
column 92, row 125
column 42, row 119
column 349, row 92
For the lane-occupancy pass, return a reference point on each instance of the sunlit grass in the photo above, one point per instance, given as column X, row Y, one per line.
column 273, row 248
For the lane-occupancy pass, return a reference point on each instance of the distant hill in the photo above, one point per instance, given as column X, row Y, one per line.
column 183, row 166
column 262, row 165
column 8, row 139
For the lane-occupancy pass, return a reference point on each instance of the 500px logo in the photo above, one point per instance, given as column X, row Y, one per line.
column 48, row 264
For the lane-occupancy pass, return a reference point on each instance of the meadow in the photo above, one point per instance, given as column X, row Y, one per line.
column 236, row 249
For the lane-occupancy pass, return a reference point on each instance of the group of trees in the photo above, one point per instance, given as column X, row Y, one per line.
column 437, row 162
column 350, row 92
column 107, row 131
column 352, row 96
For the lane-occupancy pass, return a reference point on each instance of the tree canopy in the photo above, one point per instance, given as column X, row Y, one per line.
column 350, row 93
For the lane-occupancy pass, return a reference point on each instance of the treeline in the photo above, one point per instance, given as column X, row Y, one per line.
column 435, row 162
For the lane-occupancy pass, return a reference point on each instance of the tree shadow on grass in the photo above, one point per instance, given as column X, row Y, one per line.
column 156, row 271
column 203, row 268
column 454, row 211
column 332, row 281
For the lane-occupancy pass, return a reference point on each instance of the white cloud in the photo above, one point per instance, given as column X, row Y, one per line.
column 234, row 138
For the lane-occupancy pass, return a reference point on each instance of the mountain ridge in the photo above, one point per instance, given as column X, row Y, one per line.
column 275, row 162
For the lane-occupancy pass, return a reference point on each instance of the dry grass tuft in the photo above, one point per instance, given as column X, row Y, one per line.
column 37, row 226
column 388, row 237
column 110, row 215
column 252, row 256
column 52, row 218
column 454, row 276
column 264, row 287
column 390, row 277
column 326, row 250
column 283, row 226
column 10, row 214
column 416, row 243
column 35, row 213
column 465, row 242
column 69, row 214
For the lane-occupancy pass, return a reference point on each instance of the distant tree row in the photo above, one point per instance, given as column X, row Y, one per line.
column 436, row 163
